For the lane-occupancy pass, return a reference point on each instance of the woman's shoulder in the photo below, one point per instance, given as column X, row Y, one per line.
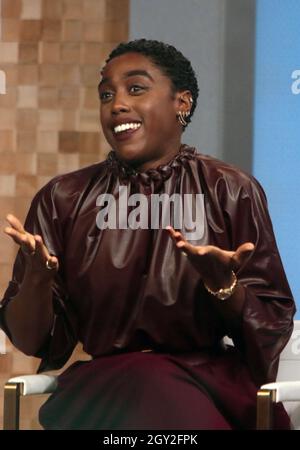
column 79, row 177
column 65, row 188
column 216, row 171
column 76, row 179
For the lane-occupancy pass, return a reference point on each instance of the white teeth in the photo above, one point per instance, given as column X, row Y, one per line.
column 126, row 126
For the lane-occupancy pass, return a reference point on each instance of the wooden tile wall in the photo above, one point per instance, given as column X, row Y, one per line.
column 51, row 52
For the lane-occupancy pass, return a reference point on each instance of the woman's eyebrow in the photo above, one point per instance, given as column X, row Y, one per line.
column 130, row 73
column 133, row 73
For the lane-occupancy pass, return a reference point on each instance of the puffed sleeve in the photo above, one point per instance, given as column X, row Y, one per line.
column 267, row 320
column 43, row 219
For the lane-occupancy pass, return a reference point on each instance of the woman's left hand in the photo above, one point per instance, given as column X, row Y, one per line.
column 214, row 265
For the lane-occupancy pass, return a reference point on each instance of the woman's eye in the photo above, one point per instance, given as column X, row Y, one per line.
column 104, row 96
column 135, row 89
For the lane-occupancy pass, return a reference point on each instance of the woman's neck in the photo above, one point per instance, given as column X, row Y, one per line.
column 153, row 163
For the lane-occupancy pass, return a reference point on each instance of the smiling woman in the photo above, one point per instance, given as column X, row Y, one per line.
column 150, row 306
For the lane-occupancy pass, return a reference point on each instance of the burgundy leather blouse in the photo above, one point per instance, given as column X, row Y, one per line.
column 123, row 289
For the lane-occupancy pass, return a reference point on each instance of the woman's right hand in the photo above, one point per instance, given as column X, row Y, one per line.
column 35, row 252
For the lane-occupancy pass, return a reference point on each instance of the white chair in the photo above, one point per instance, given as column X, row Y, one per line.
column 22, row 386
column 287, row 386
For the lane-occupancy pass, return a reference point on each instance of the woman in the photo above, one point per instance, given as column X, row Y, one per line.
column 150, row 306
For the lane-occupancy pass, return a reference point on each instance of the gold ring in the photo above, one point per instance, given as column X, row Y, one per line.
column 48, row 265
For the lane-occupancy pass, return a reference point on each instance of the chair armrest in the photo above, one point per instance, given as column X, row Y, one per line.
column 281, row 391
column 284, row 391
column 35, row 384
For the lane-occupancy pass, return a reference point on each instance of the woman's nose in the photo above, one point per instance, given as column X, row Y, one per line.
column 120, row 104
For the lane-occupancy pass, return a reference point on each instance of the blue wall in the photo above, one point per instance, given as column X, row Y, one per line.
column 276, row 159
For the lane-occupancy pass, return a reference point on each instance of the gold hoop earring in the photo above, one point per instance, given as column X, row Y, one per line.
column 182, row 116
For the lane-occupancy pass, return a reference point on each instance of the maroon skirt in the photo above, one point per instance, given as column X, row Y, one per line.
column 140, row 391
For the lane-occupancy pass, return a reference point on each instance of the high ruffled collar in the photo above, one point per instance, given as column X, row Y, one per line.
column 158, row 175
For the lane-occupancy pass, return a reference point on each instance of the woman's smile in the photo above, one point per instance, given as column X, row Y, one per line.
column 126, row 130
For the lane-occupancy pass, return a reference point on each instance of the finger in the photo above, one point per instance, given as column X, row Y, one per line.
column 244, row 249
column 171, row 231
column 25, row 240
column 15, row 223
column 17, row 232
column 15, row 235
column 28, row 246
column 248, row 246
column 41, row 249
column 176, row 235
column 181, row 243
column 242, row 253
column 51, row 262
column 178, row 238
column 189, row 249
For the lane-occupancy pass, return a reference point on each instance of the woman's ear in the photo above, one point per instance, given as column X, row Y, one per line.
column 184, row 101
column 183, row 106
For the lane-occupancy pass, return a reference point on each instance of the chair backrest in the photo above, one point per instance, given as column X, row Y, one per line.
column 289, row 370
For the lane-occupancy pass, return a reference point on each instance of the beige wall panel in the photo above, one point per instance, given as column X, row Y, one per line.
column 51, row 52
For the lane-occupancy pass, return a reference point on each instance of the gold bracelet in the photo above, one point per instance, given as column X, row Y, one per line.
column 224, row 293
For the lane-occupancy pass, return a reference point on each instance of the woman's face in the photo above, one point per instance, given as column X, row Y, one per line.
column 138, row 110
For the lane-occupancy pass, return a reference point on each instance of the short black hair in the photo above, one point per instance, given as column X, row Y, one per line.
column 170, row 60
